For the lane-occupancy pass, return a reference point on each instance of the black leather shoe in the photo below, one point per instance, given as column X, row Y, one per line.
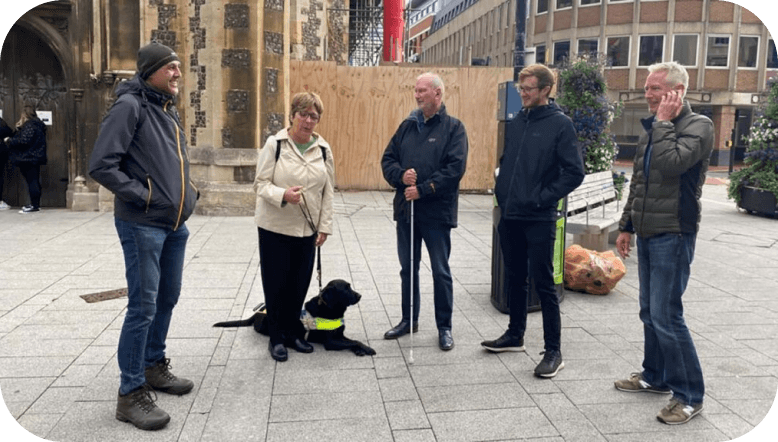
column 278, row 352
column 445, row 340
column 301, row 345
column 401, row 329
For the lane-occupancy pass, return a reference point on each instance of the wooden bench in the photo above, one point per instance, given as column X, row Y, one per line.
column 593, row 211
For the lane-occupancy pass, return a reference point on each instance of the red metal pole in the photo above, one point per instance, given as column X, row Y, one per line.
column 393, row 30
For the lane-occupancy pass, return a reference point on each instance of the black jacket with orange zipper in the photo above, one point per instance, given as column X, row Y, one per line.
column 141, row 156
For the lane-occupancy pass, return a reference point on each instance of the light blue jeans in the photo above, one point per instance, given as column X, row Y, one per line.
column 670, row 359
column 154, row 265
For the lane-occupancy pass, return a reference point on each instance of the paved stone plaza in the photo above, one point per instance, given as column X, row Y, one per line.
column 59, row 377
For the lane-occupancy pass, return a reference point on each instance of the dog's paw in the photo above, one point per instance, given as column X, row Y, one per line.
column 363, row 350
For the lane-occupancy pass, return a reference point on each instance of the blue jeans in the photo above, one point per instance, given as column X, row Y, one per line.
column 438, row 241
column 528, row 250
column 670, row 359
column 149, row 253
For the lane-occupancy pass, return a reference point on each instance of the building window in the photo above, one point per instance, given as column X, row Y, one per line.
column 772, row 55
column 618, row 1
column 651, row 48
column 618, row 51
column 590, row 2
column 718, row 51
column 562, row 4
column 587, row 46
column 561, row 52
column 540, row 54
column 685, row 49
column 542, row 6
column 746, row 52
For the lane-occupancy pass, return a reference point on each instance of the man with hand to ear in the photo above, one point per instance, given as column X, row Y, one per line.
column 663, row 209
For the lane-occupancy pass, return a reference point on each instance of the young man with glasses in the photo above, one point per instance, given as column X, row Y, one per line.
column 541, row 164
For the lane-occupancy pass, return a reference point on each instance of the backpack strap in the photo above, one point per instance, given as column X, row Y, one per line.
column 278, row 151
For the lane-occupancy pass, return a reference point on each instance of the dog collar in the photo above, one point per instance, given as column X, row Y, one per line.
column 313, row 323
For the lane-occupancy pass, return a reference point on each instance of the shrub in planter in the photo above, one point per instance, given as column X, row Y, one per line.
column 760, row 169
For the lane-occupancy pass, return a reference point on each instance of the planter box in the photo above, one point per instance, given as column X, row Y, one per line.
column 758, row 201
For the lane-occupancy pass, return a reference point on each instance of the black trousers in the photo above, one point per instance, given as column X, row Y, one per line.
column 32, row 174
column 3, row 161
column 286, row 264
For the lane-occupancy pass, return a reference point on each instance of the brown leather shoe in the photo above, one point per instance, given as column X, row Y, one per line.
column 138, row 408
column 160, row 378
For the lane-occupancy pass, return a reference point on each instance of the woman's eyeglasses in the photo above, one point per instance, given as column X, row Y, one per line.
column 312, row 116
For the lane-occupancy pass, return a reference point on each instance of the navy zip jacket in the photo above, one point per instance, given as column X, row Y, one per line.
column 140, row 155
column 437, row 150
column 540, row 165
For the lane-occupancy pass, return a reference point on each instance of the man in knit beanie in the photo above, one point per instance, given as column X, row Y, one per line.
column 141, row 156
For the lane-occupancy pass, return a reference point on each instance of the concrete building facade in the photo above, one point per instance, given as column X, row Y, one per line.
column 727, row 50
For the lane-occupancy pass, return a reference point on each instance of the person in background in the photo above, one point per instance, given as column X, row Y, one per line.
column 541, row 164
column 27, row 150
column 5, row 132
column 295, row 186
column 663, row 209
column 141, row 156
column 424, row 162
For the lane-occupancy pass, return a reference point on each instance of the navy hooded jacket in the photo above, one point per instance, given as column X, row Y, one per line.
column 540, row 165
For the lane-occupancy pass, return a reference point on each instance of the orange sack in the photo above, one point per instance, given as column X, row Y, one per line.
column 592, row 272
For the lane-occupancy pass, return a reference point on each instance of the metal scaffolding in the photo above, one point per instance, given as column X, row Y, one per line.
column 365, row 31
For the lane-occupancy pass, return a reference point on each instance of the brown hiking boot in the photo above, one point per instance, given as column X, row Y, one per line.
column 160, row 378
column 138, row 408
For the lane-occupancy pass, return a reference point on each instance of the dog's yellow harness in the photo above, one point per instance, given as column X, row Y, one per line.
column 312, row 323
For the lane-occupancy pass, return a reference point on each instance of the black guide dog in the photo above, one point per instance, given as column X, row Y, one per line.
column 323, row 317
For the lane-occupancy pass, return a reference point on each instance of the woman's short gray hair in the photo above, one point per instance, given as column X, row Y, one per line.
column 435, row 80
column 676, row 74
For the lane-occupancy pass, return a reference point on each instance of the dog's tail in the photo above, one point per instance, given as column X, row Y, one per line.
column 259, row 309
column 239, row 323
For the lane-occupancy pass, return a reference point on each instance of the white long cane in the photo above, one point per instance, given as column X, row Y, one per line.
column 413, row 268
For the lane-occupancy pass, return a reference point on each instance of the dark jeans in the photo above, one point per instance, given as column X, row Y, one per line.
column 438, row 241
column 286, row 263
column 154, row 266
column 32, row 174
column 670, row 358
column 528, row 249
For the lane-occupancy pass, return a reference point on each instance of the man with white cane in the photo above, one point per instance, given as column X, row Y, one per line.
column 424, row 162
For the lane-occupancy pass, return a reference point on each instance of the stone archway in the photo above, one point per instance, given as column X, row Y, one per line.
column 36, row 70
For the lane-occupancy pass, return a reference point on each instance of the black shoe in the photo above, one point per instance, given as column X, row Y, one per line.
column 28, row 209
column 401, row 329
column 301, row 345
column 445, row 340
column 278, row 352
column 550, row 365
column 159, row 377
column 505, row 342
column 137, row 407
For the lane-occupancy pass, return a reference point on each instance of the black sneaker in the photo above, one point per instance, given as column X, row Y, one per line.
column 550, row 365
column 505, row 342
column 28, row 209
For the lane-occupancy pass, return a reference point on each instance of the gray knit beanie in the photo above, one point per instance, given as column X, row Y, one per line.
column 152, row 57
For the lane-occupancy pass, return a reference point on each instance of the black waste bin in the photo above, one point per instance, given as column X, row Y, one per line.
column 499, row 295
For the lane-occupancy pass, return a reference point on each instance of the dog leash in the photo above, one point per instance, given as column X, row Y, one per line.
column 309, row 219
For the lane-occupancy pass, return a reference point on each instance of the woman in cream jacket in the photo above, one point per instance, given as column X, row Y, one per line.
column 295, row 189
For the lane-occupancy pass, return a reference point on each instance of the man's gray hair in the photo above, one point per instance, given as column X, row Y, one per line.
column 676, row 74
column 435, row 80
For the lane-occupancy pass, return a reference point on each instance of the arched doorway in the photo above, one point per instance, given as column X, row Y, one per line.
column 31, row 73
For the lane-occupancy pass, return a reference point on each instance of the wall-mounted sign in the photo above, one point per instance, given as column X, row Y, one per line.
column 45, row 116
